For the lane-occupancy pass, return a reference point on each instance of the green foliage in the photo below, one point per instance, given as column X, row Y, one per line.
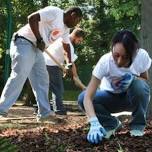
column 121, row 8
column 6, row 146
column 21, row 9
column 102, row 18
column 2, row 25
column 1, row 52
column 127, row 14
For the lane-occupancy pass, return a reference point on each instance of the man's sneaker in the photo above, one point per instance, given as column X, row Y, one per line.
column 136, row 133
column 52, row 119
column 113, row 131
column 3, row 115
column 61, row 112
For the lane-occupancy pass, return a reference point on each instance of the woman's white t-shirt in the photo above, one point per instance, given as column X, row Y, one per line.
column 107, row 71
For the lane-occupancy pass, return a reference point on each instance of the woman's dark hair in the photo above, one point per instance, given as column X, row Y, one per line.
column 129, row 41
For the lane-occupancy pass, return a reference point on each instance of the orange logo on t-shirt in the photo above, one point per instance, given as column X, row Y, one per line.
column 55, row 33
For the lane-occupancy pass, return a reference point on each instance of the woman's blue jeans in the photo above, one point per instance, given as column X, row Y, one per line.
column 135, row 100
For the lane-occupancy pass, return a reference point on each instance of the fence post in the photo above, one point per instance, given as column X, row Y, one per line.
column 8, row 39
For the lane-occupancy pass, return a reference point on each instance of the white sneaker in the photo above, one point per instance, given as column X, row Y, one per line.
column 136, row 133
column 1, row 116
column 113, row 131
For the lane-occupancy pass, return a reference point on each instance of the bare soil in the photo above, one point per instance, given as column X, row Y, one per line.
column 68, row 136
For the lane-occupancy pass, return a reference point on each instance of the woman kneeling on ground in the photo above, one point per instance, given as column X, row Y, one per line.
column 122, row 75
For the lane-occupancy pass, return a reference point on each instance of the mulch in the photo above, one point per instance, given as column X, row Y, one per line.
column 68, row 136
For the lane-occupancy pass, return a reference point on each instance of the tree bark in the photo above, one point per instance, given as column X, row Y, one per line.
column 146, row 37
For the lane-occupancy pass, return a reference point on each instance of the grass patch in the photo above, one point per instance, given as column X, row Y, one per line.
column 71, row 95
column 6, row 146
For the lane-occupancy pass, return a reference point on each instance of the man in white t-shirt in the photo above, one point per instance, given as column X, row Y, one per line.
column 121, row 75
column 55, row 73
column 28, row 43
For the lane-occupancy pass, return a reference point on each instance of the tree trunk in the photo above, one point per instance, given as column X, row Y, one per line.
column 146, row 37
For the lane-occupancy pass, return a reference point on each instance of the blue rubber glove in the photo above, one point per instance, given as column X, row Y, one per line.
column 96, row 132
column 126, row 81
